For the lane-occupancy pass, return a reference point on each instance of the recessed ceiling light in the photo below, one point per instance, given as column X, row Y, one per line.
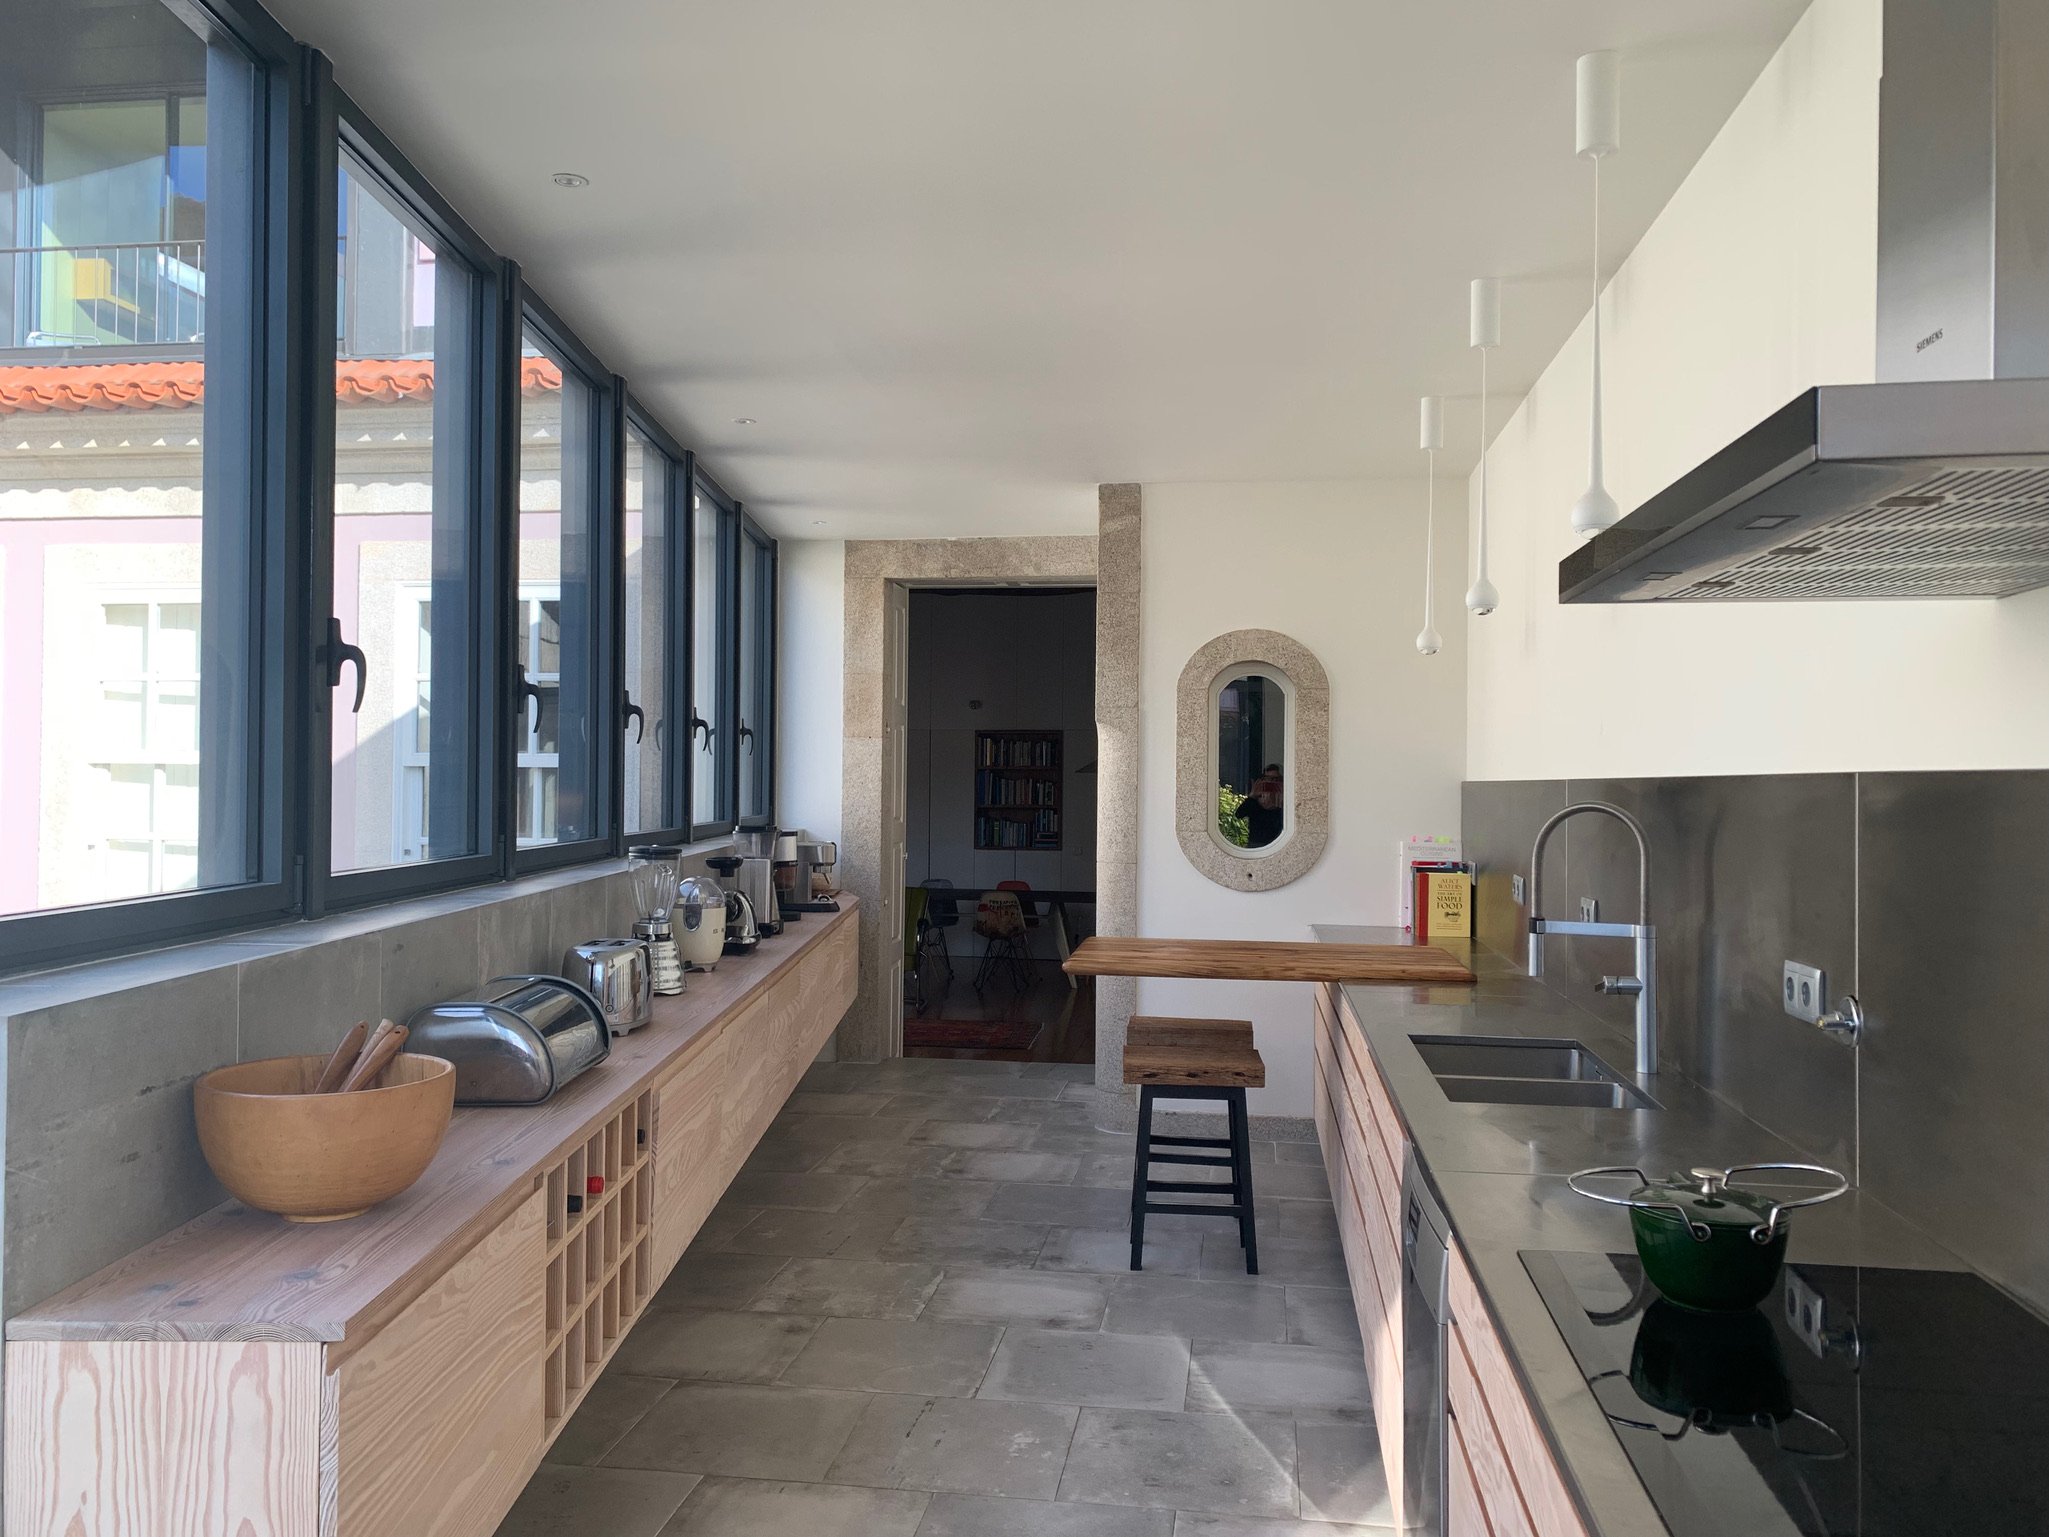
column 743, row 421
column 818, row 522
column 571, row 179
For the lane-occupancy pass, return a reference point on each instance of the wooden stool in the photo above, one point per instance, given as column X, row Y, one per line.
column 1193, row 1059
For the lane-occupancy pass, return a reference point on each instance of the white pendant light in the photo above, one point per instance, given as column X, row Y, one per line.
column 1599, row 124
column 1482, row 598
column 1428, row 641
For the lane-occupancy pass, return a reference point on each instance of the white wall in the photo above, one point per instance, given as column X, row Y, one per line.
column 1757, row 281
column 810, row 665
column 1338, row 566
column 1028, row 660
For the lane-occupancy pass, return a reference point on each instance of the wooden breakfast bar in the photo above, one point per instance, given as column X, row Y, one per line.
column 400, row 1374
column 1264, row 960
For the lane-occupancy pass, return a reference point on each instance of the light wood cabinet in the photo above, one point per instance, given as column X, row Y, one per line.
column 401, row 1374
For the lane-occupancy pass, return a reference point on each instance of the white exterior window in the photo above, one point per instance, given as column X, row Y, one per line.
column 146, row 765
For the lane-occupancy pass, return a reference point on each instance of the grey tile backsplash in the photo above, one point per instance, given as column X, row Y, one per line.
column 1921, row 893
column 101, row 1154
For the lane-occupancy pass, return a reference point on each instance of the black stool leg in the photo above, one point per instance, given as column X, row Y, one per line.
column 1141, row 1167
column 1241, row 1181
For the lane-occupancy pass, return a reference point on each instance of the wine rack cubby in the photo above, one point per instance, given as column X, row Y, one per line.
column 600, row 1202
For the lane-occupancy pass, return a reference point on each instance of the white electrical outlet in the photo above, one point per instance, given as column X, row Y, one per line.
column 1589, row 910
column 1804, row 992
column 1515, row 890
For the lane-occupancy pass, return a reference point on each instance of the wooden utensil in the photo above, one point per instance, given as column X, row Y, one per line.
column 377, row 1056
column 344, row 1058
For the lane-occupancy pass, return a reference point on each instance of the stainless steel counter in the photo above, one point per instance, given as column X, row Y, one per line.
column 1500, row 1172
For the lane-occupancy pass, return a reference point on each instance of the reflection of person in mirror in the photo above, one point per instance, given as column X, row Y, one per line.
column 1262, row 808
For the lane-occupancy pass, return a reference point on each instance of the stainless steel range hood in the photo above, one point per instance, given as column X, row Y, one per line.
column 1933, row 483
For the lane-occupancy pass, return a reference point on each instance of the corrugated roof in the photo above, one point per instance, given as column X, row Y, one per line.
column 172, row 384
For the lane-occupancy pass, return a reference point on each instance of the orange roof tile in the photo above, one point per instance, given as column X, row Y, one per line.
column 172, row 384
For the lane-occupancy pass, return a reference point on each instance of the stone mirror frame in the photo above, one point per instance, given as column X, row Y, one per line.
column 1305, row 690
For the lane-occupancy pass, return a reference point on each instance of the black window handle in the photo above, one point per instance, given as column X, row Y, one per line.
column 335, row 653
column 528, row 691
column 699, row 723
column 746, row 732
column 635, row 713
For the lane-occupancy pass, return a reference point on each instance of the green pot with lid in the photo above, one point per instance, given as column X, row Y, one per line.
column 1705, row 1242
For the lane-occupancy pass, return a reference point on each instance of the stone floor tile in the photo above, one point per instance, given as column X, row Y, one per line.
column 724, row 1220
column 849, row 1288
column 1298, row 1152
column 1233, row 1378
column 620, row 1502
column 1038, row 1299
column 1209, row 1462
column 746, row 1507
column 939, row 1106
column 1029, row 1168
column 1109, row 1169
column 1066, row 1072
column 971, row 1515
column 889, row 1160
column 934, row 1197
column 806, row 1192
column 1287, row 1260
column 1108, row 1251
column 1341, row 1476
column 1115, row 1371
column 963, row 1241
column 1299, row 1221
column 1323, row 1316
column 777, row 1155
column 975, row 1134
column 1218, row 1310
column 958, row 1446
column 1063, row 1205
column 691, row 1345
column 814, row 1234
column 1047, row 1112
column 1293, row 1181
column 806, row 1103
column 614, row 1404
column 716, row 1280
column 741, row 1430
column 1190, row 1523
column 886, row 1355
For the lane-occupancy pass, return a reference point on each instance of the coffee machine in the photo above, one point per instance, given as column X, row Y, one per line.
column 814, row 880
column 755, row 878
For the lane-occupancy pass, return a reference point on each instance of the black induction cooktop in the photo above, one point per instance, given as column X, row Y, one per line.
column 1850, row 1403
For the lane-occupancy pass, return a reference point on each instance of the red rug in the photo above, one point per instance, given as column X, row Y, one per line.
column 987, row 1034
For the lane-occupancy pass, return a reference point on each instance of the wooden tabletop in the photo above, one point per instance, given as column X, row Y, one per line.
column 240, row 1274
column 1264, row 960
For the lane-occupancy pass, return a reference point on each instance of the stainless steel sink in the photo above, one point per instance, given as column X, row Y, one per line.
column 1517, row 1070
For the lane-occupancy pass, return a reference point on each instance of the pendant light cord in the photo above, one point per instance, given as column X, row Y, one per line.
column 1594, row 450
column 1430, row 539
column 1482, row 552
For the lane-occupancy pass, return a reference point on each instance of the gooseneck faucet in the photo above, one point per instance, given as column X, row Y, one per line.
column 1643, row 987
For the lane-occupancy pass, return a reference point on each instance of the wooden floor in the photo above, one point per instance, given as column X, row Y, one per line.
column 1068, row 1014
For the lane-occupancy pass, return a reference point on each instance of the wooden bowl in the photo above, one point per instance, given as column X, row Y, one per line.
column 321, row 1157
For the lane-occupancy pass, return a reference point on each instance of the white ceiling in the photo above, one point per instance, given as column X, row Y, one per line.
column 965, row 259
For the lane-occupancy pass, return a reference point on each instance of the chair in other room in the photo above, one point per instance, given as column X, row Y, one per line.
column 1000, row 920
column 916, row 926
column 942, row 912
column 1199, row 1059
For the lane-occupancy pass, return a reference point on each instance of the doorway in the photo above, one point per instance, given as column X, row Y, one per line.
column 999, row 824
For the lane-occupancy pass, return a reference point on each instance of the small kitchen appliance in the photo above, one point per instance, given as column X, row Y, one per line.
column 515, row 1040
column 699, row 920
column 653, row 873
column 619, row 974
column 814, row 880
column 747, row 886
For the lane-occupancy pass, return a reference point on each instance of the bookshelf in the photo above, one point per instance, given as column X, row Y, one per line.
column 1017, row 790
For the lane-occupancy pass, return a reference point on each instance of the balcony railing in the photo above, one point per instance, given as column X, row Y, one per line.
column 129, row 293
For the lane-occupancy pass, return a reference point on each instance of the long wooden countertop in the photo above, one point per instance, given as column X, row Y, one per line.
column 1262, row 960
column 237, row 1274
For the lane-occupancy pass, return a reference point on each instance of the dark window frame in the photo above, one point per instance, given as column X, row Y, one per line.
column 270, row 397
column 725, row 715
column 340, row 124
column 757, row 620
column 607, row 513
column 677, row 756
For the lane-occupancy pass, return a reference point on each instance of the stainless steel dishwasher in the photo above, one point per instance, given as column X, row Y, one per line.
column 1426, row 1258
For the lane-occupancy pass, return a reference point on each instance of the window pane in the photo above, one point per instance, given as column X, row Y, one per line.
column 128, row 311
column 711, row 725
column 757, row 691
column 557, row 752
column 403, row 508
column 646, row 549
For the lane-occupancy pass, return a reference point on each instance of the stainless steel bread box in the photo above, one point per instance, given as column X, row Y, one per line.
column 517, row 1041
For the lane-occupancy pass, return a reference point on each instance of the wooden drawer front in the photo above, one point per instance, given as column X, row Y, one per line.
column 440, row 1415
column 1493, row 1382
column 1464, row 1516
column 691, row 1172
column 1360, row 1146
column 1382, row 1151
column 1376, row 1086
column 771, row 1042
column 1507, row 1516
column 163, row 1439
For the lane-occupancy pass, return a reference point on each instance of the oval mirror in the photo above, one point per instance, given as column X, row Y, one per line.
column 1249, row 723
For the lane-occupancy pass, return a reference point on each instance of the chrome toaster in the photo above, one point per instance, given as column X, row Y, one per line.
column 517, row 1041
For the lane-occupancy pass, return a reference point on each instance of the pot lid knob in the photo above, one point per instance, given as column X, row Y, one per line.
column 1711, row 1181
